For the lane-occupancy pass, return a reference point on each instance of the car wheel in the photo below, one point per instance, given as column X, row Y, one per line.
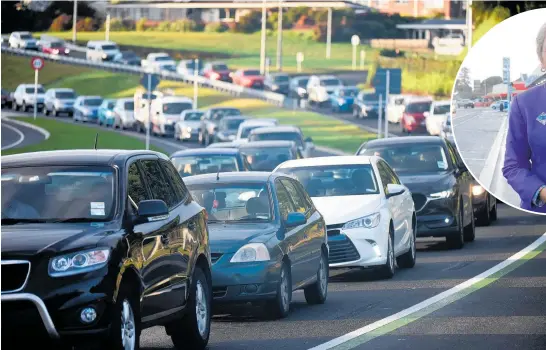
column 55, row 113
column 387, row 271
column 407, row 260
column 493, row 213
column 280, row 306
column 193, row 330
column 456, row 240
column 25, row 107
column 318, row 291
column 484, row 217
column 125, row 322
column 470, row 231
column 14, row 106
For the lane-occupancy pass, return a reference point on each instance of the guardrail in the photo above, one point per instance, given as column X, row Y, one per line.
column 235, row 90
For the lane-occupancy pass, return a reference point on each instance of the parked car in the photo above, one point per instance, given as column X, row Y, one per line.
column 267, row 239
column 228, row 127
column 197, row 161
column 7, row 98
column 378, row 227
column 284, row 133
column 23, row 97
column 166, row 112
column 86, row 108
column 465, row 103
column 342, row 99
column 129, row 58
column 396, row 106
column 53, row 48
column 267, row 155
column 250, row 124
column 413, row 118
column 366, row 105
column 106, row 112
column 438, row 180
column 102, row 231
column 298, row 87
column 209, row 123
column 249, row 78
column 22, row 40
column 320, row 87
column 57, row 101
column 501, row 105
column 187, row 128
column 436, row 117
column 217, row 71
column 187, row 67
column 277, row 82
column 99, row 51
column 124, row 114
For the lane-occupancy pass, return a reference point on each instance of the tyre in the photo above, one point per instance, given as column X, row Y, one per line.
column 387, row 271
column 407, row 260
column 493, row 213
column 484, row 217
column 456, row 240
column 470, row 230
column 318, row 291
column 125, row 327
column 54, row 112
column 139, row 128
column 280, row 306
column 46, row 111
column 193, row 330
column 25, row 107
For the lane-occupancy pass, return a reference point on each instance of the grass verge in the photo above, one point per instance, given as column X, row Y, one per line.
column 72, row 136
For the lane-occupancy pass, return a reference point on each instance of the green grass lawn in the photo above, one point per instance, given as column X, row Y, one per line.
column 72, row 136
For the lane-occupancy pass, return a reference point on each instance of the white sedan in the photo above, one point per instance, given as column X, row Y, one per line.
column 187, row 128
column 437, row 116
column 370, row 216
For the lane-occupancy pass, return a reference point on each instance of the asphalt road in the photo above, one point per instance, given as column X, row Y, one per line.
column 15, row 135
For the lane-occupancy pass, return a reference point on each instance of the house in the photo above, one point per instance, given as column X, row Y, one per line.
column 418, row 8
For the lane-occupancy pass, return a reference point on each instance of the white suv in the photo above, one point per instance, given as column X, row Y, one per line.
column 102, row 51
column 23, row 97
column 166, row 112
column 320, row 87
column 23, row 40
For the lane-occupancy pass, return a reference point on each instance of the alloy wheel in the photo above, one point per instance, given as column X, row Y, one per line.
column 284, row 290
column 322, row 276
column 201, row 308
column 128, row 336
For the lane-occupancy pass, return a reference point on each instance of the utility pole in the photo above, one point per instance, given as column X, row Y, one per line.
column 107, row 27
column 329, row 34
column 469, row 24
column 262, row 48
column 279, row 40
column 74, row 20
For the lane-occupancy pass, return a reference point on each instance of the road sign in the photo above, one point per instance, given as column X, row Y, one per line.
column 154, row 81
column 37, row 63
column 380, row 81
column 355, row 40
column 299, row 57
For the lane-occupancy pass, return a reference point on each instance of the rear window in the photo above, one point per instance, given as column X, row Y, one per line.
column 205, row 164
column 193, row 116
column 109, row 47
column 163, row 58
column 30, row 90
column 418, row 107
column 267, row 158
column 411, row 158
column 278, row 136
column 176, row 107
column 26, row 36
column 129, row 106
column 219, row 67
column 330, row 82
column 282, row 79
column 232, row 124
column 93, row 102
column 251, row 72
column 218, row 114
column 56, row 44
column 65, row 95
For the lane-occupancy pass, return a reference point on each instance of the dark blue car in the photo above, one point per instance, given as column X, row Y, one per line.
column 342, row 98
column 267, row 239
column 200, row 161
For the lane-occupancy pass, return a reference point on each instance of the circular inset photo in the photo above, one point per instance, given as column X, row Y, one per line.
column 499, row 111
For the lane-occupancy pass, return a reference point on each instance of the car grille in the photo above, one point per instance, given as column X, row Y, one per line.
column 215, row 256
column 342, row 250
column 334, row 230
column 419, row 200
column 14, row 275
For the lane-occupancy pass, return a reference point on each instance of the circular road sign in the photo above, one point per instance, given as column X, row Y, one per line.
column 37, row 63
column 355, row 40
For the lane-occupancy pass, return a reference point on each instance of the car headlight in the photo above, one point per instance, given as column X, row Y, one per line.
column 104, row 56
column 251, row 252
column 188, row 129
column 442, row 194
column 78, row 262
column 109, row 113
column 340, row 101
column 369, row 221
column 477, row 190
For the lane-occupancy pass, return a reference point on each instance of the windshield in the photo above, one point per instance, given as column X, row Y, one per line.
column 30, row 90
column 205, row 164
column 219, row 67
column 267, row 158
column 218, row 114
column 193, row 116
column 251, row 72
column 93, row 102
column 176, row 107
column 111, row 104
column 348, row 92
column 26, row 36
column 109, row 47
column 56, row 44
column 336, row 180
column 441, row 109
column 233, row 202
column 65, row 95
column 247, row 129
column 231, row 124
column 278, row 136
column 57, row 193
column 419, row 107
column 281, row 79
column 329, row 82
column 163, row 58
column 129, row 105
column 411, row 158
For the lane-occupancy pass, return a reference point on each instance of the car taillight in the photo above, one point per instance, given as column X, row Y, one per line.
column 215, row 76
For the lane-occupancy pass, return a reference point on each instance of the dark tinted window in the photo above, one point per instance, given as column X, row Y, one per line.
column 65, row 94
column 418, row 107
column 442, row 109
column 384, row 175
column 329, row 82
column 278, row 136
column 219, row 67
column 231, row 124
column 129, row 105
column 163, row 58
column 158, row 183
column 303, row 82
column 109, row 47
column 26, row 36
column 392, row 175
column 285, row 203
column 267, row 158
column 251, row 72
column 135, row 187
column 295, row 195
column 176, row 181
column 30, row 90
column 176, row 107
column 411, row 158
column 56, row 44
column 281, row 79
column 111, row 105
column 205, row 164
column 93, row 102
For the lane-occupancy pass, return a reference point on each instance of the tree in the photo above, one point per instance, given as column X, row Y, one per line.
column 463, row 84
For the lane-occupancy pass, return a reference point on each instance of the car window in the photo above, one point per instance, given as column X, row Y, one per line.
column 193, row 116
column 393, row 178
column 278, row 136
column 39, row 90
column 135, row 186
column 453, row 154
column 267, row 158
column 418, row 107
column 175, row 179
column 157, row 182
column 295, row 195
column 285, row 203
column 205, row 163
column 384, row 175
column 441, row 109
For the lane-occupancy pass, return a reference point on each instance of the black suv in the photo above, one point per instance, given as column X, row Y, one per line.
column 100, row 244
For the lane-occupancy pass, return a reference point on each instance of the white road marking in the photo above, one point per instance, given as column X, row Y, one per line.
column 17, row 131
column 30, row 126
column 435, row 299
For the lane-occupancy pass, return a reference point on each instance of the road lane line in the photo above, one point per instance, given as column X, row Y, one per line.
column 17, row 131
column 30, row 126
column 413, row 313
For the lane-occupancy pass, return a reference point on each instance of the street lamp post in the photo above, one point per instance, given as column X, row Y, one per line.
column 279, row 40
column 469, row 24
column 262, row 49
column 329, row 34
column 74, row 20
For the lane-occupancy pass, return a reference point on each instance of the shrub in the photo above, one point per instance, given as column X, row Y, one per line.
column 183, row 25
column 86, row 24
column 249, row 23
column 119, row 25
column 60, row 23
column 164, row 26
column 140, row 25
column 391, row 53
column 215, row 27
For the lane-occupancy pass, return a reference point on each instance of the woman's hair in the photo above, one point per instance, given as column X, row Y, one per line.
column 540, row 43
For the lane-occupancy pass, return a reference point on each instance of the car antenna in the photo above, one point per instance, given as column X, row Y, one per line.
column 96, row 140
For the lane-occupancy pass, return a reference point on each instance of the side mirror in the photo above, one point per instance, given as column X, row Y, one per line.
column 394, row 190
column 152, row 210
column 308, row 140
column 295, row 219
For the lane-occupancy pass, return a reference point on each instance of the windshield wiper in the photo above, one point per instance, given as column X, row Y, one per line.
column 14, row 221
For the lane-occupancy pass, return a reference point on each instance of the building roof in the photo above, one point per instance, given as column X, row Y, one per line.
column 435, row 24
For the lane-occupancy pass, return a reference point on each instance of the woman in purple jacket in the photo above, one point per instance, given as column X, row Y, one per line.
column 525, row 160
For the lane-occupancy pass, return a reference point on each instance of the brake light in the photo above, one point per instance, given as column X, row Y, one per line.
column 215, row 76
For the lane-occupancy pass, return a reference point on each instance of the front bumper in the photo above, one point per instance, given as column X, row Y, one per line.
column 64, row 109
column 417, row 126
column 479, row 203
column 437, row 217
column 244, row 282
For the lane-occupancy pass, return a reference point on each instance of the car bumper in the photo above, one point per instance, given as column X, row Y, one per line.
column 479, row 203
column 438, row 218
column 434, row 127
column 193, row 135
column 244, row 282
column 64, row 109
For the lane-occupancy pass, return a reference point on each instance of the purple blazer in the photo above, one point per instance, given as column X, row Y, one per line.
column 525, row 159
